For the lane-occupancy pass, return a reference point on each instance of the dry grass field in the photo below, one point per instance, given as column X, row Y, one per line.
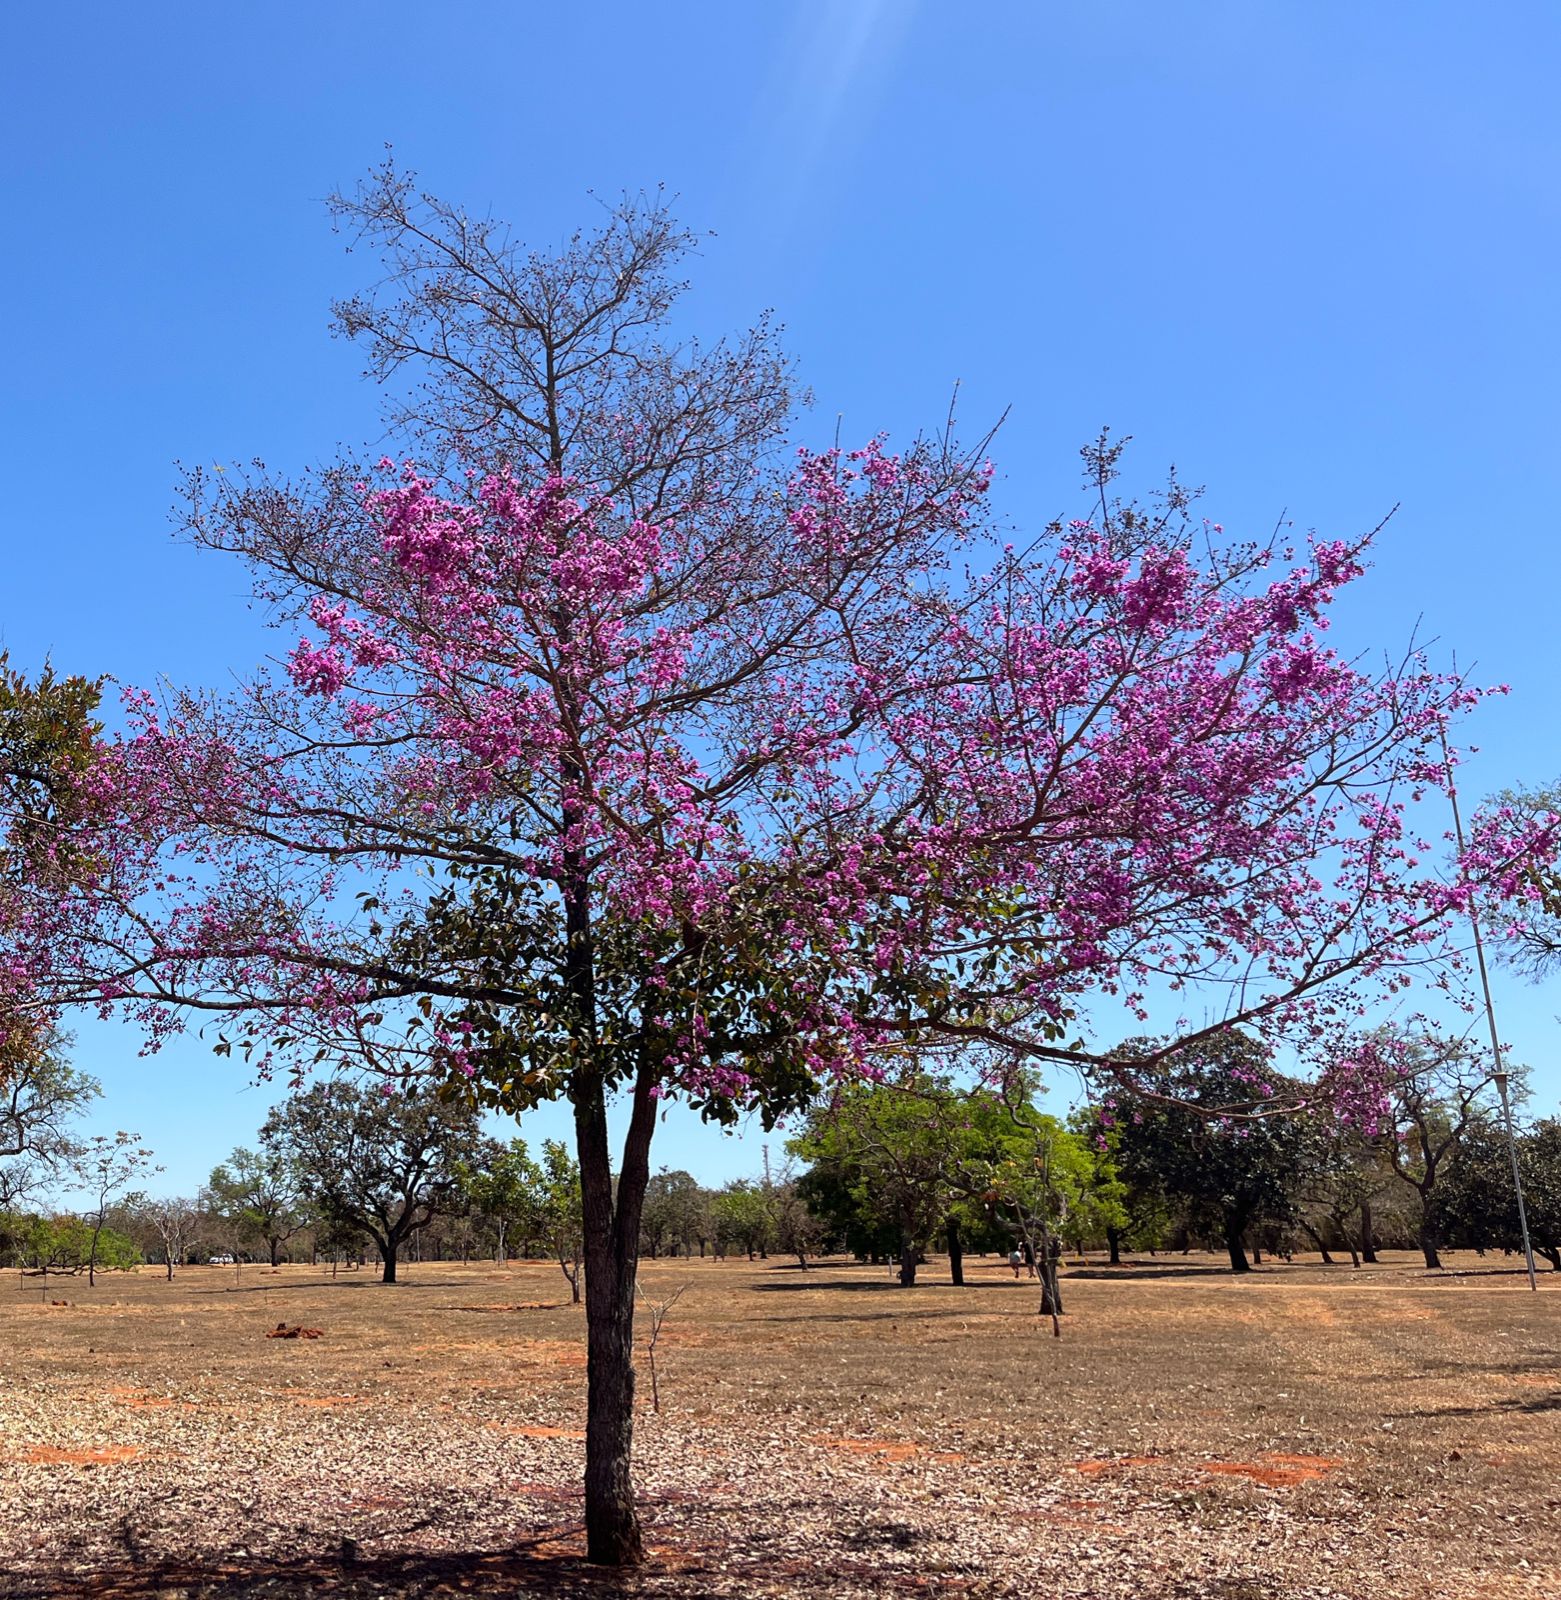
column 1307, row 1432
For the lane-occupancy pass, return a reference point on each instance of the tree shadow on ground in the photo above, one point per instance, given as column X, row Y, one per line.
column 331, row 1286
column 534, row 1569
column 812, row 1266
column 885, row 1285
column 1513, row 1405
column 1130, row 1270
column 521, row 1572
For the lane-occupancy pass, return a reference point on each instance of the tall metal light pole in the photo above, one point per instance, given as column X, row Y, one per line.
column 1499, row 1073
column 1500, row 1080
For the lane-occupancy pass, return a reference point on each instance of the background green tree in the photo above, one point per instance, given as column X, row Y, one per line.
column 385, row 1163
column 1203, row 1148
column 260, row 1194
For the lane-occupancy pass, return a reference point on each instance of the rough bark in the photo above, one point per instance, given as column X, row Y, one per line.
column 1317, row 1239
column 1238, row 1255
column 570, row 1268
column 1368, row 1245
column 956, row 1253
column 1051, row 1292
column 907, row 1261
column 1430, row 1248
column 612, row 1235
column 1114, row 1245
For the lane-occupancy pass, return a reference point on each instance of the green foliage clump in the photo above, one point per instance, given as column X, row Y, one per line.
column 64, row 1244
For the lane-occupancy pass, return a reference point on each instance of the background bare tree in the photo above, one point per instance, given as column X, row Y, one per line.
column 109, row 1165
column 176, row 1222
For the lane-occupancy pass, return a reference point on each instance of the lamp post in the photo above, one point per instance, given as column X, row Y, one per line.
column 1499, row 1072
column 1499, row 1078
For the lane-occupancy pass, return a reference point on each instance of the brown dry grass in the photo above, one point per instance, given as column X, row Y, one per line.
column 1305, row 1432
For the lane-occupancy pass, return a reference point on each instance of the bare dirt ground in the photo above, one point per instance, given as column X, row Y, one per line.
column 1306, row 1432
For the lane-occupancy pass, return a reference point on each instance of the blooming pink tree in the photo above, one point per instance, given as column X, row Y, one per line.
column 615, row 750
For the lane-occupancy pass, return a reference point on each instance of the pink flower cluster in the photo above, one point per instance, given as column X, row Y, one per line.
column 793, row 719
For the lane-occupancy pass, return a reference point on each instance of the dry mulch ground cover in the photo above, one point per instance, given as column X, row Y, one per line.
column 1305, row 1432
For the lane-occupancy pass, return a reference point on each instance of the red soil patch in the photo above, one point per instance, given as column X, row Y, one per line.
column 550, row 1352
column 141, row 1400
column 552, row 1492
column 536, row 1432
column 1276, row 1471
column 94, row 1456
column 1093, row 1469
column 889, row 1449
column 282, row 1331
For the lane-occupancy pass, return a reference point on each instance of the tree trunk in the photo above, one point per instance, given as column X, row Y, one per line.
column 956, row 1254
column 1317, row 1239
column 907, row 1261
column 388, row 1255
column 1238, row 1256
column 1551, row 1253
column 1429, row 1247
column 276, row 1253
column 168, row 1254
column 612, row 1237
column 1049, row 1258
column 1114, row 1245
column 1051, row 1293
column 1368, row 1245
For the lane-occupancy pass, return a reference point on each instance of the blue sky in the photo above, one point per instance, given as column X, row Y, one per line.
column 1307, row 252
